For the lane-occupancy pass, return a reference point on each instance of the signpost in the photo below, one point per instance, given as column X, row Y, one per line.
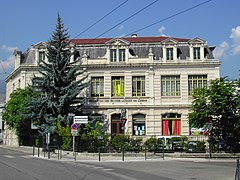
column 74, row 128
column 123, row 121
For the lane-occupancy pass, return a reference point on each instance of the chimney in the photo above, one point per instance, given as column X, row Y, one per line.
column 134, row 35
column 17, row 55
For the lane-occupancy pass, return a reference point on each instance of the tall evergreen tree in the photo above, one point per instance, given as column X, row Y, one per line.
column 58, row 83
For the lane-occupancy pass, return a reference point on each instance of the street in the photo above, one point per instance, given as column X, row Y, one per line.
column 19, row 165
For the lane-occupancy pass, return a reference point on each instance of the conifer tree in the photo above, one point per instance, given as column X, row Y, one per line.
column 58, row 84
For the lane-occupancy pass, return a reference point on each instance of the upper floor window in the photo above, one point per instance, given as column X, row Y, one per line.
column 42, row 56
column 196, row 53
column 170, row 85
column 169, row 53
column 118, row 86
column 196, row 81
column 117, row 55
column 97, row 86
column 138, row 86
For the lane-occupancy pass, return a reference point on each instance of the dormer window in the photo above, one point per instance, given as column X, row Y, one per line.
column 169, row 53
column 117, row 55
column 42, row 56
column 196, row 53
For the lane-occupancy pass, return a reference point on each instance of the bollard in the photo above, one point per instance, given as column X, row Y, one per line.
column 38, row 150
column 33, row 149
column 237, row 175
column 145, row 152
column 99, row 154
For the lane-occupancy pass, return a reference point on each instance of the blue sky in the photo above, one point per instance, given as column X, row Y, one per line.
column 27, row 22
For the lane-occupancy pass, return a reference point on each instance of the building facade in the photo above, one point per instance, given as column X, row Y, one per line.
column 149, row 78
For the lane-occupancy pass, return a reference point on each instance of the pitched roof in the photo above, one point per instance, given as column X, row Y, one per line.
column 129, row 39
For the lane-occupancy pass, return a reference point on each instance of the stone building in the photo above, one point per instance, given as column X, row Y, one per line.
column 150, row 78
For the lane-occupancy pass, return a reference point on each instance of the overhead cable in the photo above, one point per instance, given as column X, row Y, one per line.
column 169, row 17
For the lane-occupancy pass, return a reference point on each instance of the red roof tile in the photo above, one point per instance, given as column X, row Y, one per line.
column 130, row 39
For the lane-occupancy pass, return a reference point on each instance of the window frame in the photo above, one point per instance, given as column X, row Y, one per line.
column 97, row 86
column 115, row 90
column 139, row 125
column 117, row 55
column 169, row 54
column 170, row 85
column 138, row 86
column 194, row 82
column 42, row 56
column 196, row 53
column 175, row 120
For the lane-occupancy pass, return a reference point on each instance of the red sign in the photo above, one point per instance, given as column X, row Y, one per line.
column 123, row 121
column 74, row 126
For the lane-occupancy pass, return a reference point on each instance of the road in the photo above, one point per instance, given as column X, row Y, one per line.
column 19, row 165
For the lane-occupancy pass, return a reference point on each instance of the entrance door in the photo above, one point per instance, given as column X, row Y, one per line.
column 116, row 125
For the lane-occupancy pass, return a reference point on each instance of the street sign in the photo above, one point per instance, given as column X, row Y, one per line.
column 74, row 132
column 80, row 119
column 74, row 126
column 123, row 121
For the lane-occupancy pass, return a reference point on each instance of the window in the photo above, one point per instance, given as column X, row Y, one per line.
column 171, row 124
column 196, row 81
column 97, row 86
column 169, row 52
column 170, row 85
column 196, row 53
column 139, row 125
column 116, row 125
column 117, row 55
column 138, row 86
column 121, row 55
column 117, row 86
column 41, row 56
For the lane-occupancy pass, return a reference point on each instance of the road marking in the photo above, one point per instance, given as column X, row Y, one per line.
column 8, row 156
column 108, row 169
column 98, row 167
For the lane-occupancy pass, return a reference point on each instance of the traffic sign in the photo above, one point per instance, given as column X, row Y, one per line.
column 74, row 126
column 74, row 132
column 123, row 121
column 80, row 119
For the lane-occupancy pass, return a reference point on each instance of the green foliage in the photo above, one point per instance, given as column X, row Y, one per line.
column 219, row 104
column 16, row 110
column 153, row 144
column 65, row 134
column 59, row 83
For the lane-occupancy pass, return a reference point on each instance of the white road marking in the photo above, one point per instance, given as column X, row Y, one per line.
column 8, row 156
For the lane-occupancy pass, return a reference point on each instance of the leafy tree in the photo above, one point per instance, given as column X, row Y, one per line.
column 16, row 110
column 219, row 105
column 59, row 83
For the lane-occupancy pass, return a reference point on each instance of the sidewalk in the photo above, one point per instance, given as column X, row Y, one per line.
column 110, row 157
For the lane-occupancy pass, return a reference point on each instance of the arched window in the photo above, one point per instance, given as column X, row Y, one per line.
column 139, row 128
column 76, row 55
column 171, row 124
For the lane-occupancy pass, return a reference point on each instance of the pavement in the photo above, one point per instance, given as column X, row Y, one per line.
column 116, row 157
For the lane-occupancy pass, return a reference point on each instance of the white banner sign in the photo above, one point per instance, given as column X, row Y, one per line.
column 80, row 119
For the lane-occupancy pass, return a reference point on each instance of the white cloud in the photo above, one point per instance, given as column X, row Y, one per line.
column 235, row 36
column 8, row 49
column 121, row 27
column 161, row 30
column 221, row 50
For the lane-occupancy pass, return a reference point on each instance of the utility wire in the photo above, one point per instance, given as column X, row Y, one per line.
column 125, row 20
column 3, row 68
column 169, row 17
column 101, row 19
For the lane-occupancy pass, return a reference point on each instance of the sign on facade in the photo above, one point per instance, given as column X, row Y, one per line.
column 80, row 120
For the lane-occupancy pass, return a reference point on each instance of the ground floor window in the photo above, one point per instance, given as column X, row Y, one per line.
column 171, row 124
column 116, row 125
column 139, row 128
